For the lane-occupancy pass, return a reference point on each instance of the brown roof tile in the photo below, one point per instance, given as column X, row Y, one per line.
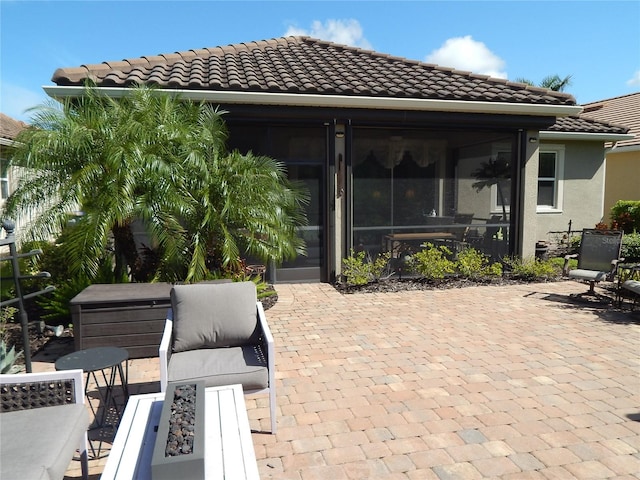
column 307, row 66
column 623, row 110
column 10, row 127
column 582, row 124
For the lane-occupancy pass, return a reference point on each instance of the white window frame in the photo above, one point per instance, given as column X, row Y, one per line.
column 559, row 179
column 4, row 181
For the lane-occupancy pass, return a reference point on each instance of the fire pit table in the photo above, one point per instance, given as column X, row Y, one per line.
column 229, row 449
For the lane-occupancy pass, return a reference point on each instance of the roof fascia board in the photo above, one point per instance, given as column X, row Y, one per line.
column 625, row 149
column 7, row 142
column 340, row 101
column 600, row 137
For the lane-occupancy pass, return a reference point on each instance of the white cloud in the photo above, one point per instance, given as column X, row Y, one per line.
column 465, row 53
column 16, row 100
column 346, row 32
column 635, row 79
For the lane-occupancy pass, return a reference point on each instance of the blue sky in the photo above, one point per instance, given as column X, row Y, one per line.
column 596, row 42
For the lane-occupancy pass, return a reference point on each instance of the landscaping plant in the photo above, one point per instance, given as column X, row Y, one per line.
column 359, row 268
column 7, row 358
column 160, row 161
column 631, row 248
column 472, row 263
column 432, row 262
column 531, row 269
column 625, row 216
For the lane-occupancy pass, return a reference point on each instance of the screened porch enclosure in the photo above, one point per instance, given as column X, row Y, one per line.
column 412, row 187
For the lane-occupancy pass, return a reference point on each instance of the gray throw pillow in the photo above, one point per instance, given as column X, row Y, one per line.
column 214, row 315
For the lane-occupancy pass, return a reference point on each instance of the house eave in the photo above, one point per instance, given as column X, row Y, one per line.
column 338, row 101
column 587, row 136
column 7, row 142
column 625, row 149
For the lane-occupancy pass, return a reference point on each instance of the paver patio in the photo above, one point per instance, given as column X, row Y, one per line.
column 480, row 382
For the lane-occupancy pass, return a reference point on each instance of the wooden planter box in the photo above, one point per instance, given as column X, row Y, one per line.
column 129, row 315
column 183, row 466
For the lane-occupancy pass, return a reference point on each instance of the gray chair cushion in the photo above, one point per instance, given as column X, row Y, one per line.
column 222, row 366
column 632, row 285
column 39, row 443
column 590, row 275
column 214, row 315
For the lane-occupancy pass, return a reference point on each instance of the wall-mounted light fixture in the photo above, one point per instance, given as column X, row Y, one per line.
column 533, row 139
column 339, row 134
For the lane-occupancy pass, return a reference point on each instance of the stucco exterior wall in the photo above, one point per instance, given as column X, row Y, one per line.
column 529, row 226
column 622, row 179
column 583, row 190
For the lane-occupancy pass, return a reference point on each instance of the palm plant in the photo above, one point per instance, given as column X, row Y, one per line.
column 552, row 82
column 156, row 159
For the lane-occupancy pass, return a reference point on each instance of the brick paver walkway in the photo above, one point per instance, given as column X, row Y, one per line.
column 482, row 382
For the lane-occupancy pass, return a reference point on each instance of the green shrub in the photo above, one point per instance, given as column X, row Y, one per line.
column 474, row 264
column 359, row 268
column 558, row 263
column 263, row 288
column 532, row 268
column 8, row 359
column 625, row 216
column 55, row 305
column 631, row 248
column 432, row 262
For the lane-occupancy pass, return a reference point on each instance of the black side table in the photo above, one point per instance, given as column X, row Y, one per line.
column 108, row 361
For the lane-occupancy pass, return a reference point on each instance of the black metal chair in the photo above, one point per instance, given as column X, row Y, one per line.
column 598, row 258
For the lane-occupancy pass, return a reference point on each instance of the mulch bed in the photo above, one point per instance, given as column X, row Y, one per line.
column 414, row 284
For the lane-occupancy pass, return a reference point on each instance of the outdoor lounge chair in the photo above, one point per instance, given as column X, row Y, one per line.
column 218, row 333
column 42, row 422
column 598, row 258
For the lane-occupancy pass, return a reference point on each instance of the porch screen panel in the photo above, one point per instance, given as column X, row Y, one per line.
column 303, row 151
column 448, row 188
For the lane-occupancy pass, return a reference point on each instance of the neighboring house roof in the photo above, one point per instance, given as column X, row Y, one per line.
column 307, row 66
column 10, row 128
column 624, row 110
column 586, row 125
column 581, row 128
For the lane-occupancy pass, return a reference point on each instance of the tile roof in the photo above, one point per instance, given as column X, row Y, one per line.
column 304, row 65
column 9, row 127
column 582, row 124
column 624, row 110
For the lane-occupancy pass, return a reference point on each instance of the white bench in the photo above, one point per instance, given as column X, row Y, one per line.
column 229, row 452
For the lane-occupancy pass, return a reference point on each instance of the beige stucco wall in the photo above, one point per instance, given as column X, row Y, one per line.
column 529, row 193
column 583, row 190
column 622, row 178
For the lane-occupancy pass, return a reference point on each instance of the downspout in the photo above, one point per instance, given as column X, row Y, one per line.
column 603, row 193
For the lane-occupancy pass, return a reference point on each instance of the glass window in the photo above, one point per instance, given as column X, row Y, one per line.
column 4, row 180
column 549, row 178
